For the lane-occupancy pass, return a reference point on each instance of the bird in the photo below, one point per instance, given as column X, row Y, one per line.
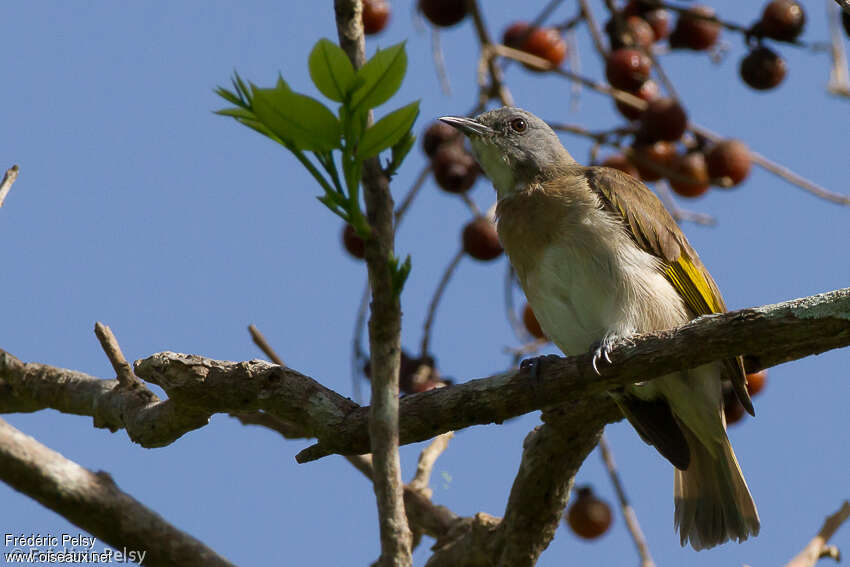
column 600, row 259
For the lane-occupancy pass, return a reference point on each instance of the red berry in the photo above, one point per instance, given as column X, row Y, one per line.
column 531, row 324
column 636, row 32
column 756, row 382
column 480, row 240
column 542, row 42
column 762, row 69
column 437, row 134
column 648, row 91
column 589, row 517
column 729, row 158
column 782, row 20
column 663, row 119
column 627, row 69
column 657, row 18
column 443, row 13
column 376, row 13
column 645, row 154
column 454, row 169
column 352, row 242
column 619, row 161
column 691, row 179
column 693, row 32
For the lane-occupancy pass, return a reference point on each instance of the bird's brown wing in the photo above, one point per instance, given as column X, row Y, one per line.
column 654, row 230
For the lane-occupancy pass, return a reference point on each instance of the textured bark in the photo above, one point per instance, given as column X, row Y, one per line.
column 95, row 503
column 384, row 327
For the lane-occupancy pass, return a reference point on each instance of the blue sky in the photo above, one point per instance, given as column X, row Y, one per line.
column 138, row 207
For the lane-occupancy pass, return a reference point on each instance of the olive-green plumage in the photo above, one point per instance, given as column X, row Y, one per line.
column 600, row 258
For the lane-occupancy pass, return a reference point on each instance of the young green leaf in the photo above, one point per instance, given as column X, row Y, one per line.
column 400, row 151
column 379, row 78
column 331, row 70
column 298, row 119
column 387, row 131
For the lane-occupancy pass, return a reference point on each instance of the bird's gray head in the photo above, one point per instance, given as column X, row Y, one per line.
column 513, row 146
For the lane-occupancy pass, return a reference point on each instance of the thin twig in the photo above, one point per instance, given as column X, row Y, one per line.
column 662, row 189
column 6, row 184
column 263, row 345
column 818, row 547
column 628, row 512
column 497, row 84
column 123, row 370
column 839, row 81
column 435, row 301
column 595, row 34
column 473, row 208
column 427, row 458
column 780, row 170
column 440, row 62
column 411, row 195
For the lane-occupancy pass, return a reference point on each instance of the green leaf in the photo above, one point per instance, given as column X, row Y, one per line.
column 387, row 131
column 400, row 151
column 331, row 70
column 399, row 273
column 295, row 118
column 228, row 96
column 379, row 78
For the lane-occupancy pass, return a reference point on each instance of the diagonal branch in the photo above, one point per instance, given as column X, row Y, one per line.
column 94, row 502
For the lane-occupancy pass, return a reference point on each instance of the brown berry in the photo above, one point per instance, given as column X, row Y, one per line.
column 436, row 135
column 732, row 408
column 762, row 69
column 619, row 161
column 695, row 32
column 376, row 14
column 648, row 91
column 691, row 175
column 542, row 42
column 531, row 324
column 352, row 242
column 663, row 119
column 443, row 13
column 480, row 240
column 657, row 18
column 454, row 168
column 660, row 153
column 756, row 382
column 636, row 32
column 729, row 158
column 627, row 69
column 782, row 20
column 589, row 517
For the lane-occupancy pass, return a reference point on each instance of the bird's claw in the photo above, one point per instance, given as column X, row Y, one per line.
column 603, row 351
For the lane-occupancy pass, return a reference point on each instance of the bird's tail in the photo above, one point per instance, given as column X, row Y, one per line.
column 713, row 503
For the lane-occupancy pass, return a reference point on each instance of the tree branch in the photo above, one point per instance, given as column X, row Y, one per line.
column 384, row 326
column 6, row 184
column 819, row 547
column 94, row 502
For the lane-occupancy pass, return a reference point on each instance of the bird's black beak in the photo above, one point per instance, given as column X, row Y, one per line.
column 468, row 126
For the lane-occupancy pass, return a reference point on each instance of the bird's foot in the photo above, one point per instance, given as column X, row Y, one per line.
column 603, row 351
column 532, row 365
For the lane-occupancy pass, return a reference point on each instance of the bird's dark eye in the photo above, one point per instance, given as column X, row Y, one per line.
column 519, row 125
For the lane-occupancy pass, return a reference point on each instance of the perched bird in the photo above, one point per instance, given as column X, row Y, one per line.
column 599, row 259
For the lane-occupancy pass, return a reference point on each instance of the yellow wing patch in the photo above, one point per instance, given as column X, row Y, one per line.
column 693, row 286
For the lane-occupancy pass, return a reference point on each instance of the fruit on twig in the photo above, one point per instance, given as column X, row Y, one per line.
column 636, row 32
column 589, row 517
column 756, row 382
column 454, row 168
column 729, row 158
column 648, row 91
column 645, row 154
column 781, row 19
column 437, row 134
column 480, row 240
column 352, row 242
column 531, row 323
column 619, row 161
column 694, row 31
column 627, row 69
column 691, row 175
column 376, row 14
column 762, row 69
column 443, row 13
column 663, row 119
column 542, row 42
column 657, row 18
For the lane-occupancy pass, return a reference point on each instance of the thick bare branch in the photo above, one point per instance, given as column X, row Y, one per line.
column 94, row 502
